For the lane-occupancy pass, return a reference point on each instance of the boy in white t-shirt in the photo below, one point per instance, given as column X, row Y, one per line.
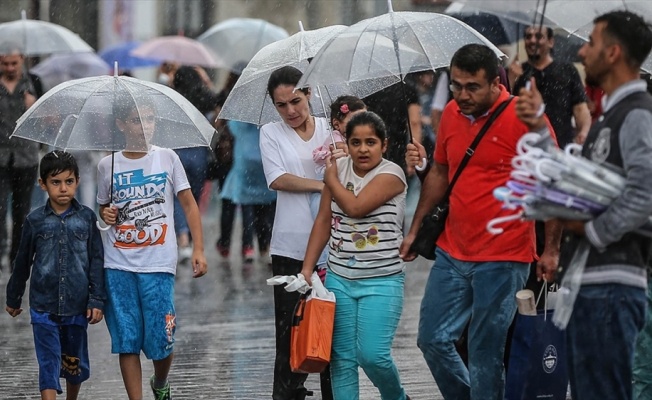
column 140, row 247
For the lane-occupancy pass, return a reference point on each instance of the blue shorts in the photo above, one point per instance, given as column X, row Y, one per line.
column 139, row 312
column 62, row 352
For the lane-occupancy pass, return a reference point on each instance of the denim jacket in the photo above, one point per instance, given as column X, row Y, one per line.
column 66, row 258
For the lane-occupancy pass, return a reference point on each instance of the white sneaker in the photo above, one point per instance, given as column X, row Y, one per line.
column 185, row 253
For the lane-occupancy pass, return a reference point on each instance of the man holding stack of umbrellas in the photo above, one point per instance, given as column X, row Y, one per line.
column 604, row 201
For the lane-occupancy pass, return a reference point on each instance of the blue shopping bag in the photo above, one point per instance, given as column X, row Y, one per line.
column 537, row 361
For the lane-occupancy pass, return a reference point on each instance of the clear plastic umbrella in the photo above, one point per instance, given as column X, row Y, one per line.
column 521, row 11
column 577, row 16
column 384, row 49
column 418, row 41
column 35, row 37
column 79, row 115
column 237, row 40
column 60, row 68
column 249, row 100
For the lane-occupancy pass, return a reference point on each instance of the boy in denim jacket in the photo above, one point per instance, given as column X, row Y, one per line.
column 63, row 248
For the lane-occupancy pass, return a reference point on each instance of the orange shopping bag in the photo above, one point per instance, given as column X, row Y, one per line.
column 312, row 330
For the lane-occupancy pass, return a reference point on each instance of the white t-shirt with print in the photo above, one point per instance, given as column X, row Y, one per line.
column 143, row 240
column 369, row 246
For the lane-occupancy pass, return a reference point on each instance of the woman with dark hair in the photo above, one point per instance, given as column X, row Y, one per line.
column 189, row 83
column 286, row 149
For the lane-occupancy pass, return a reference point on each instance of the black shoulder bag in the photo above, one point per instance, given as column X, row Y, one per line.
column 433, row 224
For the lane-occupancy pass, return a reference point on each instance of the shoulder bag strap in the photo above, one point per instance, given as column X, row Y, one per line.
column 476, row 141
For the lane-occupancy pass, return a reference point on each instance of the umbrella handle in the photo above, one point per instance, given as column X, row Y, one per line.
column 497, row 231
column 101, row 225
column 422, row 166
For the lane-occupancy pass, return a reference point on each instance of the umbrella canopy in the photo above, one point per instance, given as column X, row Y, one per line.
column 237, row 40
column 391, row 45
column 249, row 100
column 498, row 30
column 521, row 11
column 81, row 114
column 577, row 16
column 35, row 37
column 178, row 49
column 122, row 54
column 60, row 68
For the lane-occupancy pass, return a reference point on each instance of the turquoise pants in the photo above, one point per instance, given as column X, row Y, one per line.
column 642, row 372
column 367, row 313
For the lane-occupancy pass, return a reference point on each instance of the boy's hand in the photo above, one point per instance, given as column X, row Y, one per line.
column 199, row 265
column 94, row 315
column 110, row 214
column 13, row 311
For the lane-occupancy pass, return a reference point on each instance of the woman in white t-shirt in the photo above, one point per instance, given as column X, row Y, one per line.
column 286, row 148
column 361, row 218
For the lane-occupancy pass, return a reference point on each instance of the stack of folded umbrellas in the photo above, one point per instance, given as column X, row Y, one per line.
column 548, row 182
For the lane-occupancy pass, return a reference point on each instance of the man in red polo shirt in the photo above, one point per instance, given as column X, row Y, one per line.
column 476, row 274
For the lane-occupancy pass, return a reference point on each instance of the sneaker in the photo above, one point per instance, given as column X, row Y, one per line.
column 248, row 254
column 185, row 253
column 222, row 250
column 160, row 394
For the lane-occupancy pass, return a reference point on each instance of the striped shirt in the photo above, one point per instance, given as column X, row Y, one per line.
column 367, row 247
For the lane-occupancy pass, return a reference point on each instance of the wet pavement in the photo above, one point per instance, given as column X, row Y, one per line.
column 224, row 341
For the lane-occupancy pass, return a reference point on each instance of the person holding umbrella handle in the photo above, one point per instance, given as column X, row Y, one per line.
column 140, row 255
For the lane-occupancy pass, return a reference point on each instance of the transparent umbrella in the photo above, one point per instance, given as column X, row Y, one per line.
column 34, row 37
column 80, row 115
column 249, row 100
column 375, row 51
column 418, row 41
column 577, row 16
column 83, row 114
column 237, row 40
column 521, row 11
column 59, row 68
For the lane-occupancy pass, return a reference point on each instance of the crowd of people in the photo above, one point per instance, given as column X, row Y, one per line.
column 330, row 195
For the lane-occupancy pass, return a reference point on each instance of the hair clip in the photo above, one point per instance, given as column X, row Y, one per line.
column 344, row 108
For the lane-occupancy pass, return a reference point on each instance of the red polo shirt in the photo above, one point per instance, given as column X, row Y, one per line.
column 472, row 204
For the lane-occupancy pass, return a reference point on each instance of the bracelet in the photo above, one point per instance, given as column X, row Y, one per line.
column 541, row 110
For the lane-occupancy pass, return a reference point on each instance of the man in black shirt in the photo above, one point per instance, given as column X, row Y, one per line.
column 396, row 105
column 560, row 85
